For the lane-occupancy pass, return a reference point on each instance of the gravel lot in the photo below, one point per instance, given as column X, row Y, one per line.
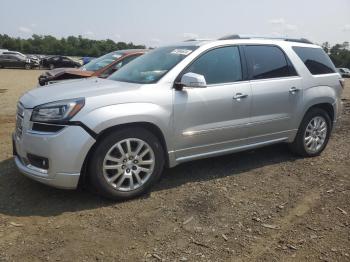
column 261, row 205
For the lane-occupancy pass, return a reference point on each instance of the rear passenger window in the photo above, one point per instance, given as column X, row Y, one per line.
column 221, row 65
column 268, row 62
column 316, row 60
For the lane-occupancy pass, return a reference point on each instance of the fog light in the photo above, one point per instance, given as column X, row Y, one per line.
column 38, row 161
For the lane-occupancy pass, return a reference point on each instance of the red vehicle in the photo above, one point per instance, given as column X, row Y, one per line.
column 102, row 67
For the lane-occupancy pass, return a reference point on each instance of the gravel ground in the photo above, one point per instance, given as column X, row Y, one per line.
column 260, row 205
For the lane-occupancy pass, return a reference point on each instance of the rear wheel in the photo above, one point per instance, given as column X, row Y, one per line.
column 313, row 133
column 126, row 163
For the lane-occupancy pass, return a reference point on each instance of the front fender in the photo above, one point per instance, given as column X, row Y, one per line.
column 109, row 116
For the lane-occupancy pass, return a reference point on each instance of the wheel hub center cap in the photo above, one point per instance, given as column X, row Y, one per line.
column 129, row 164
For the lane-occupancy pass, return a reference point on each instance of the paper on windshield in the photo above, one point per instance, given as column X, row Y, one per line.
column 181, row 52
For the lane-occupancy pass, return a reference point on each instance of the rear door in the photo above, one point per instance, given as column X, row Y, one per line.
column 14, row 61
column 212, row 119
column 276, row 90
column 4, row 60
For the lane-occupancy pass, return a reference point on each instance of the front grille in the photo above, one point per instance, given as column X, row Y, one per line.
column 20, row 110
column 19, row 120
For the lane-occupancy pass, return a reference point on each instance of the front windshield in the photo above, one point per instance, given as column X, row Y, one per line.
column 152, row 66
column 102, row 61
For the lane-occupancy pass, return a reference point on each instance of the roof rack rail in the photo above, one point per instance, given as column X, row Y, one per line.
column 231, row 37
column 298, row 40
column 197, row 39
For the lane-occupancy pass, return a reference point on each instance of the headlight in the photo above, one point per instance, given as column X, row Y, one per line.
column 58, row 111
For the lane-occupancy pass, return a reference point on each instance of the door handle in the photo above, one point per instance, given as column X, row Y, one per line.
column 238, row 96
column 293, row 90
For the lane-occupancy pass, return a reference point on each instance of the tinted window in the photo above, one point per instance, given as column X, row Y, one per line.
column 12, row 57
column 315, row 59
column 221, row 65
column 267, row 62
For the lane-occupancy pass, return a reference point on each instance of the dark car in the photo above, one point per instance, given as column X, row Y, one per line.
column 15, row 61
column 59, row 61
column 101, row 67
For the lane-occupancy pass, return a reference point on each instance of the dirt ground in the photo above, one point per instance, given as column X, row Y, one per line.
column 260, row 205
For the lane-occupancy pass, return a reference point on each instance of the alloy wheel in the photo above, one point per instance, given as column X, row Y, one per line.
column 315, row 134
column 128, row 164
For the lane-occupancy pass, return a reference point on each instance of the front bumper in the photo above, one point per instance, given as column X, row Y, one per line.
column 60, row 180
column 65, row 150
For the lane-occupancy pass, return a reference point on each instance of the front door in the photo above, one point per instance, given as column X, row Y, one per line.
column 214, row 118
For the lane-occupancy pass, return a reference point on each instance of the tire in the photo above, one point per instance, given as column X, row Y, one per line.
column 28, row 66
column 303, row 144
column 51, row 66
column 124, row 183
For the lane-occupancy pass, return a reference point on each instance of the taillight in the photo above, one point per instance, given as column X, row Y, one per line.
column 342, row 83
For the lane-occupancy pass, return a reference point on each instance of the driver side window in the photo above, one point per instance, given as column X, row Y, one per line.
column 220, row 65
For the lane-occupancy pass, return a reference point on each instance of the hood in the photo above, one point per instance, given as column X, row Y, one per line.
column 88, row 87
column 72, row 71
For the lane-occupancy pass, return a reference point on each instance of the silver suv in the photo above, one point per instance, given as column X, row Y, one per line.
column 177, row 103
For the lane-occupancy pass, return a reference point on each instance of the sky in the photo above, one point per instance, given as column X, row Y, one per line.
column 160, row 22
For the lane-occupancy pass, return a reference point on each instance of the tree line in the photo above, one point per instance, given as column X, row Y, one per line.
column 70, row 46
column 79, row 46
column 339, row 53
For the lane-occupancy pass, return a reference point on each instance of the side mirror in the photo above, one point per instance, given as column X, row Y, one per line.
column 193, row 80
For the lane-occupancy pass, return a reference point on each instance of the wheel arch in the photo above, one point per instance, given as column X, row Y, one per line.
column 154, row 129
column 326, row 106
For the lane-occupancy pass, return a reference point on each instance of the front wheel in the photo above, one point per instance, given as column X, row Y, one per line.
column 126, row 163
column 313, row 133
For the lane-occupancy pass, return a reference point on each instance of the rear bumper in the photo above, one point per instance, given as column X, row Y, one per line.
column 338, row 110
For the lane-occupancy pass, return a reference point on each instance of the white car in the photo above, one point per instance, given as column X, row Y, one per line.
column 344, row 72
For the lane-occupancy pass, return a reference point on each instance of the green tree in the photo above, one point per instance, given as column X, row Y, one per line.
column 71, row 46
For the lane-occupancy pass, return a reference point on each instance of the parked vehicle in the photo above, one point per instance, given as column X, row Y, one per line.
column 3, row 50
column 102, row 67
column 33, row 60
column 344, row 72
column 15, row 61
column 174, row 104
column 87, row 59
column 59, row 61
column 36, row 60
